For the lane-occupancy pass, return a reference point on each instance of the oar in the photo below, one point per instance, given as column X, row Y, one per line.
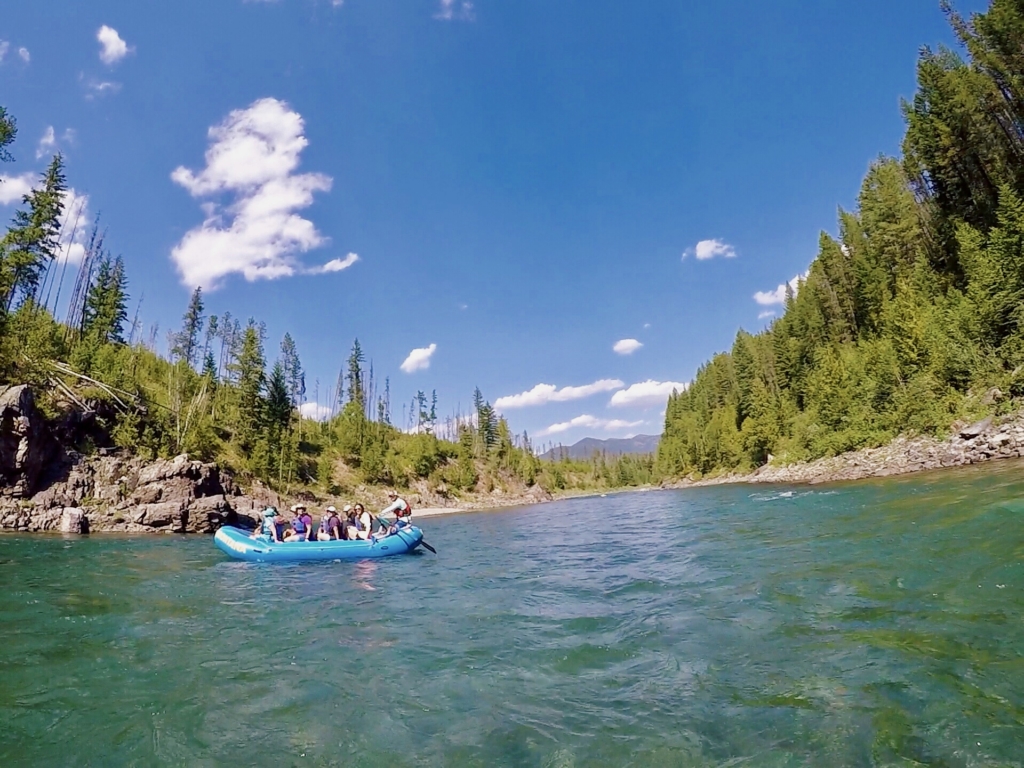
column 386, row 524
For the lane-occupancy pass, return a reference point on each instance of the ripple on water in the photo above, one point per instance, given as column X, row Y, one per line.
column 873, row 623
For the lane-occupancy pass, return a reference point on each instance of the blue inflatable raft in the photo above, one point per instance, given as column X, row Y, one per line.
column 239, row 544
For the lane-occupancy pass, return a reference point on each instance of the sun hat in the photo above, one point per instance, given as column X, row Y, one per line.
column 392, row 492
column 332, row 508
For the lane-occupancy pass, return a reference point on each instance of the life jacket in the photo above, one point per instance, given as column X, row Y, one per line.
column 299, row 525
column 325, row 523
column 407, row 512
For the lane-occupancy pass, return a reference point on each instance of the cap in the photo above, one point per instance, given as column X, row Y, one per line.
column 332, row 508
column 348, row 508
column 392, row 492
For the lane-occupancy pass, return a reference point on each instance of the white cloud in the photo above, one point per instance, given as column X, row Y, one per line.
column 767, row 313
column 549, row 393
column 95, row 88
column 646, row 326
column 24, row 55
column 112, row 47
column 626, row 346
column 648, row 392
column 315, row 411
column 75, row 227
column 419, row 359
column 709, row 249
column 590, row 422
column 778, row 296
column 4, row 47
column 13, row 188
column 336, row 265
column 461, row 10
column 46, row 143
column 253, row 155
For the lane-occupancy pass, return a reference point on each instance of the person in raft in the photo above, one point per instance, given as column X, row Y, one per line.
column 364, row 522
column 302, row 525
column 401, row 509
column 330, row 525
column 268, row 527
column 347, row 523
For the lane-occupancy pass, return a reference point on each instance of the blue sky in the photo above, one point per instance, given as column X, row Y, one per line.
column 510, row 188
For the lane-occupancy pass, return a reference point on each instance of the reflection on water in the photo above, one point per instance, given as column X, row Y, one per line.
column 866, row 624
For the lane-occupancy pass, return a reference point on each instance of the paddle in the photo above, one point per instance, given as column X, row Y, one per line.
column 387, row 525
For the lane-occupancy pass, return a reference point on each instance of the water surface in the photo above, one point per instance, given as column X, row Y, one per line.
column 877, row 623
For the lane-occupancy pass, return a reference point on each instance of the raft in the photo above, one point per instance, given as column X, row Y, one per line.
column 240, row 545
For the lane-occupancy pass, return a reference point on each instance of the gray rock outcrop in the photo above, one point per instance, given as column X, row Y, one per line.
column 25, row 442
column 111, row 493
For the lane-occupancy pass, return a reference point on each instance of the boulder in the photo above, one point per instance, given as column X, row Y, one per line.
column 158, row 515
column 73, row 520
column 992, row 397
column 25, row 442
column 975, row 429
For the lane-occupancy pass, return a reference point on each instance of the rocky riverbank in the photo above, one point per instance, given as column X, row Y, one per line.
column 991, row 438
column 44, row 486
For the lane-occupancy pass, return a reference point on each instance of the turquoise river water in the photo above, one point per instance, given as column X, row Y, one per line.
column 868, row 624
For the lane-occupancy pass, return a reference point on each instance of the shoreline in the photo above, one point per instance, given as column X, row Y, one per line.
column 990, row 439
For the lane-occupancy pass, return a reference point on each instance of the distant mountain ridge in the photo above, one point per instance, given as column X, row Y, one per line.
column 615, row 446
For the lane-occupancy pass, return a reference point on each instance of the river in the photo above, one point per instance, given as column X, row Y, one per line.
column 876, row 623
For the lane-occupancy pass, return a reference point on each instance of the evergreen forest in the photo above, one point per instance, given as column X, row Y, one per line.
column 910, row 317
column 222, row 392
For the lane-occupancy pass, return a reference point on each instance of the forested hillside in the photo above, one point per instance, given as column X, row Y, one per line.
column 220, row 392
column 913, row 315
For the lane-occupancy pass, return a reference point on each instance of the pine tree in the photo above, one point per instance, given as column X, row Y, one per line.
column 186, row 341
column 249, row 372
column 106, row 303
column 31, row 243
column 278, row 412
column 354, row 376
column 295, row 378
column 8, row 133
column 486, row 421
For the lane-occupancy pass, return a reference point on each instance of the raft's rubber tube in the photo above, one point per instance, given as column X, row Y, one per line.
column 240, row 545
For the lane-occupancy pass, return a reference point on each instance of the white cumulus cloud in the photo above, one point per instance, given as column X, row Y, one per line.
column 24, row 55
column 112, row 47
column 253, row 156
column 549, row 393
column 315, row 411
column 589, row 422
column 709, row 249
column 778, row 296
column 46, row 143
column 648, row 392
column 626, row 346
column 75, row 228
column 337, row 265
column 96, row 88
column 13, row 188
column 449, row 10
column 419, row 359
